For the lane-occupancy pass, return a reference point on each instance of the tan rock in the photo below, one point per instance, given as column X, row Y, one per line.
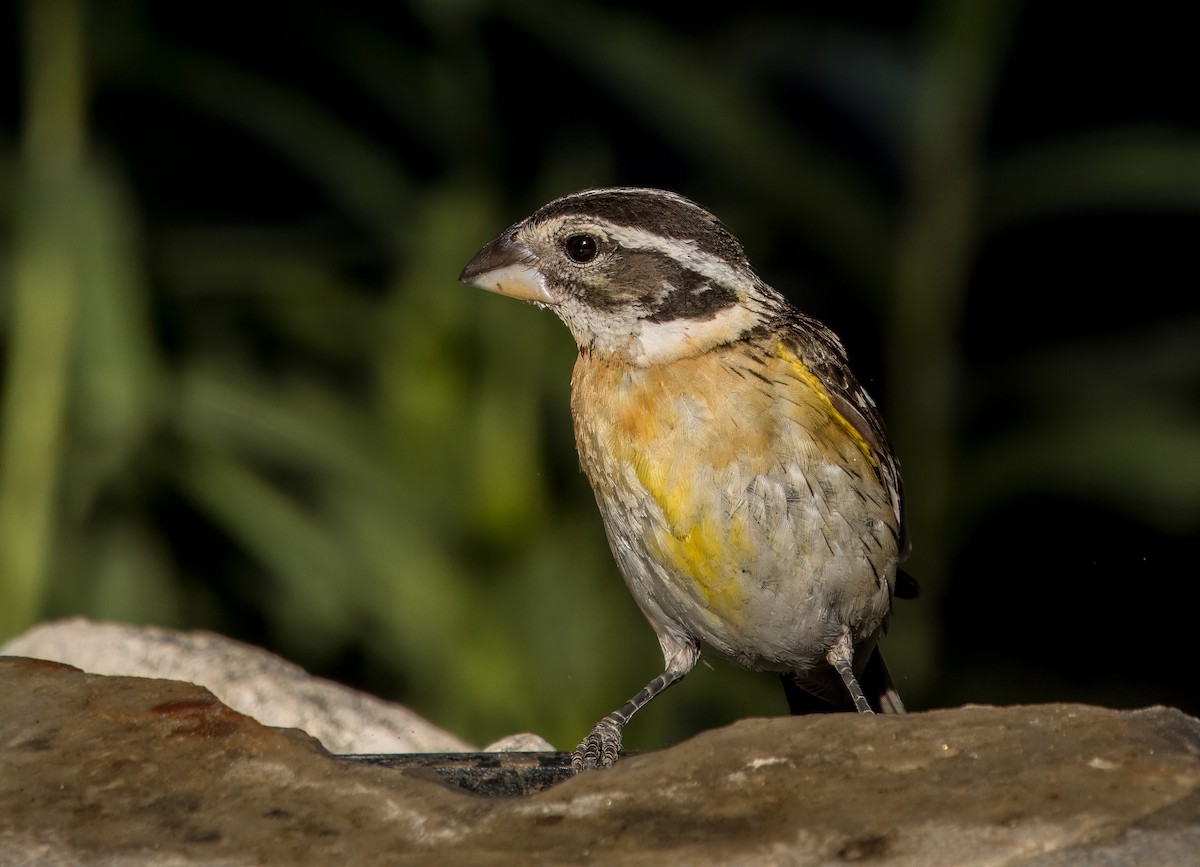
column 252, row 681
column 118, row 770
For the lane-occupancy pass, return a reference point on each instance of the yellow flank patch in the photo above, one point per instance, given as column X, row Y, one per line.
column 694, row 546
column 657, row 432
column 810, row 379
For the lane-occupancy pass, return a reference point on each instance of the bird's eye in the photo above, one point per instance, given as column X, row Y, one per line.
column 581, row 248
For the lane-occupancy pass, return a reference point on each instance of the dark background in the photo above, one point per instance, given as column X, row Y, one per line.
column 243, row 391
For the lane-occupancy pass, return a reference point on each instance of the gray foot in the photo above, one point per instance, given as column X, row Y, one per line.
column 600, row 749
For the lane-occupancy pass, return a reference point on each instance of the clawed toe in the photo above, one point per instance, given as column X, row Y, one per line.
column 600, row 749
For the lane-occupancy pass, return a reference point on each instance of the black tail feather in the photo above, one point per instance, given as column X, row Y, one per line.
column 876, row 683
column 906, row 586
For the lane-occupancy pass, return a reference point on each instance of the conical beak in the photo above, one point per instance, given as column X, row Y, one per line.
column 507, row 267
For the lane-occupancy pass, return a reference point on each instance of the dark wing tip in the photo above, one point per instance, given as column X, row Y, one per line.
column 906, row 585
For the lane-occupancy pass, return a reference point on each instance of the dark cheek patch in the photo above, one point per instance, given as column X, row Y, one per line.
column 624, row 282
column 615, row 287
column 690, row 296
column 632, row 275
column 654, row 286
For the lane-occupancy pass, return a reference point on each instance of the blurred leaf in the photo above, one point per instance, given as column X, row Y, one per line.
column 1113, row 421
column 426, row 92
column 132, row 578
column 349, row 167
column 1125, row 168
column 1138, row 458
column 48, row 279
column 285, row 419
column 707, row 110
column 294, row 423
column 118, row 374
column 309, row 570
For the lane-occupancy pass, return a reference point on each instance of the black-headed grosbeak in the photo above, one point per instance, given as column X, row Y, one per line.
column 750, row 494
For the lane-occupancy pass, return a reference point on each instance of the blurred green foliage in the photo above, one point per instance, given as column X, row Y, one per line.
column 294, row 427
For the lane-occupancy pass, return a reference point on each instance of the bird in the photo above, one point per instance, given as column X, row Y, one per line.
column 747, row 486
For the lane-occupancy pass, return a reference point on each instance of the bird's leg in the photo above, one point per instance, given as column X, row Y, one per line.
column 602, row 746
column 841, row 657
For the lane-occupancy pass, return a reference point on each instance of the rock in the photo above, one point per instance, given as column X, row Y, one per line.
column 247, row 679
column 525, row 742
column 119, row 770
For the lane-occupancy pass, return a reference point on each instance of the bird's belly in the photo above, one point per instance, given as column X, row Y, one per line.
column 768, row 596
column 738, row 528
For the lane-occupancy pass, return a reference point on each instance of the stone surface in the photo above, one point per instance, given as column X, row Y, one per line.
column 259, row 684
column 526, row 742
column 126, row 771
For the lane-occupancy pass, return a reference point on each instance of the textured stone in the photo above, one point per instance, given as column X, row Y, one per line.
column 259, row 684
column 525, row 742
column 126, row 771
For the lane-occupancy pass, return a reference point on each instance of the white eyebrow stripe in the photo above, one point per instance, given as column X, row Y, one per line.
column 693, row 257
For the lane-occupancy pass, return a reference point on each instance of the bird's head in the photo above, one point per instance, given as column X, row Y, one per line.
column 642, row 274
